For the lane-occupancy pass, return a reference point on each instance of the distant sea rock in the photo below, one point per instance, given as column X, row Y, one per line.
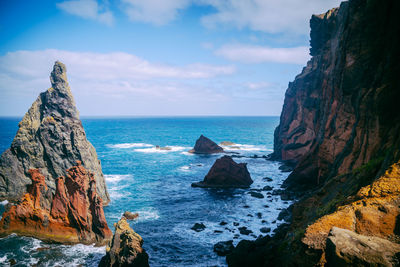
column 226, row 173
column 206, row 146
column 73, row 215
column 125, row 249
column 50, row 138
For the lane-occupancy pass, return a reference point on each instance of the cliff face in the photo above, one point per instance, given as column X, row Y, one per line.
column 341, row 112
column 340, row 128
column 73, row 215
column 50, row 137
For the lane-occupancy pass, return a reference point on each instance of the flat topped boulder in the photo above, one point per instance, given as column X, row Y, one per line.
column 206, row 146
column 226, row 173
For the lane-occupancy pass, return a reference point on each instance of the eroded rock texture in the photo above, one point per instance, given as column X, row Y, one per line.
column 74, row 214
column 50, row 137
column 342, row 110
column 340, row 127
column 226, row 173
column 125, row 248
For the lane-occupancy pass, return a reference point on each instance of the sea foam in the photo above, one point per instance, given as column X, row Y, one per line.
column 129, row 145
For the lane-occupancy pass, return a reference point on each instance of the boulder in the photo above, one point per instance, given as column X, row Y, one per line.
column 73, row 215
column 346, row 248
column 206, row 146
column 227, row 143
column 256, row 194
column 223, row 248
column 125, row 248
column 226, row 173
column 130, row 215
column 50, row 138
column 198, row 227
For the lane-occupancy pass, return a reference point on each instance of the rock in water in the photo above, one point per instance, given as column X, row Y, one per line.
column 206, row 146
column 130, row 215
column 125, row 248
column 74, row 215
column 223, row 248
column 346, row 248
column 226, row 173
column 50, row 138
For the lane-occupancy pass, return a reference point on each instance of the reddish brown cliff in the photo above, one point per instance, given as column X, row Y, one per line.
column 341, row 111
column 73, row 215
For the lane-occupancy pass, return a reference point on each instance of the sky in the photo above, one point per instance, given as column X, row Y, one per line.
column 156, row 57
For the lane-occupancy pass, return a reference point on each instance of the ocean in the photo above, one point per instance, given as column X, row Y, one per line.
column 157, row 184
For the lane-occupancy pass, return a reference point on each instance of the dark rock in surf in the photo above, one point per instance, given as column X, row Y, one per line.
column 223, row 248
column 226, row 173
column 206, row 146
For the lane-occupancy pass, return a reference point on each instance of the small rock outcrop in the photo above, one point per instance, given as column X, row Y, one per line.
column 130, row 215
column 206, row 146
column 223, row 248
column 226, row 173
column 125, row 248
column 50, row 138
column 346, row 248
column 74, row 214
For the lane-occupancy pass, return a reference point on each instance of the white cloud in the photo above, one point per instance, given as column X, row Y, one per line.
column 266, row 15
column 88, row 9
column 156, row 12
column 261, row 54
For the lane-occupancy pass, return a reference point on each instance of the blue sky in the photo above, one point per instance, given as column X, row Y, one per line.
column 156, row 57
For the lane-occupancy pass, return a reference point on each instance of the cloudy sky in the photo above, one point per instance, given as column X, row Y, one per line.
column 156, row 57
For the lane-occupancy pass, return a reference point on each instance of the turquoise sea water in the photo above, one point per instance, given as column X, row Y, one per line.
column 156, row 184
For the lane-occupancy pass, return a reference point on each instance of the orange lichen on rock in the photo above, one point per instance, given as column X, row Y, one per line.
column 75, row 214
column 374, row 213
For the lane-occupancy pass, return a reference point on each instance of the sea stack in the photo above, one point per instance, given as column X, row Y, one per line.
column 125, row 248
column 74, row 214
column 50, row 138
column 206, row 146
column 226, row 173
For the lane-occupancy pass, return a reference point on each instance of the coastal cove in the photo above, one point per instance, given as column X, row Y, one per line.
column 157, row 184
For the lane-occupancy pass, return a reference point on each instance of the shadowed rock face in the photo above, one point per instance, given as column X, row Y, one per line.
column 73, row 215
column 125, row 249
column 342, row 110
column 340, row 127
column 50, row 137
column 226, row 173
column 206, row 146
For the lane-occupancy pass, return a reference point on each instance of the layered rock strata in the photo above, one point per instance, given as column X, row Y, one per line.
column 74, row 214
column 206, row 146
column 226, row 173
column 50, row 138
column 125, row 248
column 340, row 128
column 341, row 112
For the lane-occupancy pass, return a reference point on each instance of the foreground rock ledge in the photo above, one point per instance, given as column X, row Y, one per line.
column 206, row 146
column 346, row 248
column 125, row 248
column 226, row 173
column 74, row 214
column 50, row 138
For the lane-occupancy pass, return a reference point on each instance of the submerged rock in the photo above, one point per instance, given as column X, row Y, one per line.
column 256, row 194
column 74, row 215
column 227, row 143
column 50, row 137
column 206, row 146
column 223, row 248
column 346, row 248
column 125, row 248
column 226, row 173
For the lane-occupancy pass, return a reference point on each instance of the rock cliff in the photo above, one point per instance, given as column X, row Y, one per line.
column 340, row 128
column 50, row 137
column 125, row 248
column 341, row 112
column 74, row 214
